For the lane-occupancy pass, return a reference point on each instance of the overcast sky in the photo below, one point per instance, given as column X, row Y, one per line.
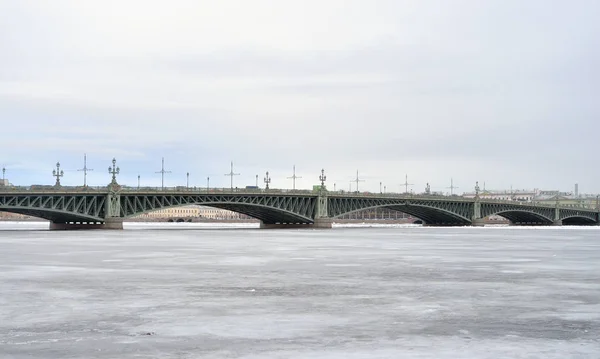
column 499, row 91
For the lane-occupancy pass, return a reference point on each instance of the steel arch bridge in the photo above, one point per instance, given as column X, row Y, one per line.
column 106, row 207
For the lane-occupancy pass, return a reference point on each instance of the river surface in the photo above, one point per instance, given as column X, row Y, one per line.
column 192, row 291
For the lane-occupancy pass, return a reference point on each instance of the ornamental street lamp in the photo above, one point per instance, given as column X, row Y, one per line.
column 267, row 180
column 114, row 171
column 58, row 173
column 322, row 178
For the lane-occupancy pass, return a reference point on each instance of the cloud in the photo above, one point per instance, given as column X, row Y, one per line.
column 501, row 91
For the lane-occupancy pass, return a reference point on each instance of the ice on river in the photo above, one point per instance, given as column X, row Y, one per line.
column 187, row 290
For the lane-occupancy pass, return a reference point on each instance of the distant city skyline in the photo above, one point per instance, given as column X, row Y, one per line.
column 501, row 91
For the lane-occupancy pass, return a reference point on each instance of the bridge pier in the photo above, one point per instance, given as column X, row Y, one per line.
column 479, row 222
column 320, row 223
column 112, row 223
column 557, row 222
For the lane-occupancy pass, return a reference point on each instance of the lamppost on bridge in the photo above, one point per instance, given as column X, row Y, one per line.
column 231, row 174
column 380, row 191
column 334, row 187
column 384, row 189
column 207, row 184
column 114, row 171
column 256, row 181
column 85, row 170
column 267, row 180
column 452, row 187
column 322, row 178
column 58, row 173
column 162, row 173
column 357, row 180
column 138, row 181
column 427, row 189
column 294, row 178
column 187, row 183
column 3, row 175
column 406, row 184
column 477, row 190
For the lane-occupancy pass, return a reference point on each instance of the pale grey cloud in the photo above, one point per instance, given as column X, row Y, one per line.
column 501, row 91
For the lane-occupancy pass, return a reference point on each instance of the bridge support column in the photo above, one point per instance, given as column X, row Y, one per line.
column 323, row 223
column 476, row 219
column 557, row 220
column 478, row 222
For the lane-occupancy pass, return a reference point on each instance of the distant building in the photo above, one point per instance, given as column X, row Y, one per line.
column 568, row 199
column 505, row 195
column 377, row 213
column 193, row 211
column 13, row 216
column 541, row 196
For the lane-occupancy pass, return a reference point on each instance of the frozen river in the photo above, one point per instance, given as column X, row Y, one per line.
column 184, row 291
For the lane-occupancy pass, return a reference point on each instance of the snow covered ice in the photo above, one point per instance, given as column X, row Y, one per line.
column 196, row 291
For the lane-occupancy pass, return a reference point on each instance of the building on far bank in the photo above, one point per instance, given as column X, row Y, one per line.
column 194, row 211
column 541, row 196
column 505, row 195
column 569, row 199
column 14, row 216
column 377, row 213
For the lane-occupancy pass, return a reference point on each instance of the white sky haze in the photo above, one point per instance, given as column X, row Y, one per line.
column 499, row 91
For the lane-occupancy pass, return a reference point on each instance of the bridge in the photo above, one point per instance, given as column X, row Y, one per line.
column 107, row 207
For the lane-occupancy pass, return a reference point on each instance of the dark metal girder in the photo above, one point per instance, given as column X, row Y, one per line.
column 433, row 212
column 269, row 209
column 525, row 217
column 578, row 221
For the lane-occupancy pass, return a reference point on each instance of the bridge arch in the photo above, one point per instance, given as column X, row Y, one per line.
column 524, row 217
column 577, row 220
column 53, row 215
column 428, row 215
column 273, row 212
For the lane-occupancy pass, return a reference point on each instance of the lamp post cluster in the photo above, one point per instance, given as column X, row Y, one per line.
column 114, row 170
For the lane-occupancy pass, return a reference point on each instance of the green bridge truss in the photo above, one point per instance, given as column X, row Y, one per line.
column 77, row 205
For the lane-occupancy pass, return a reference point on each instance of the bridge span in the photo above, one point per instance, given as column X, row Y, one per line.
column 107, row 207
